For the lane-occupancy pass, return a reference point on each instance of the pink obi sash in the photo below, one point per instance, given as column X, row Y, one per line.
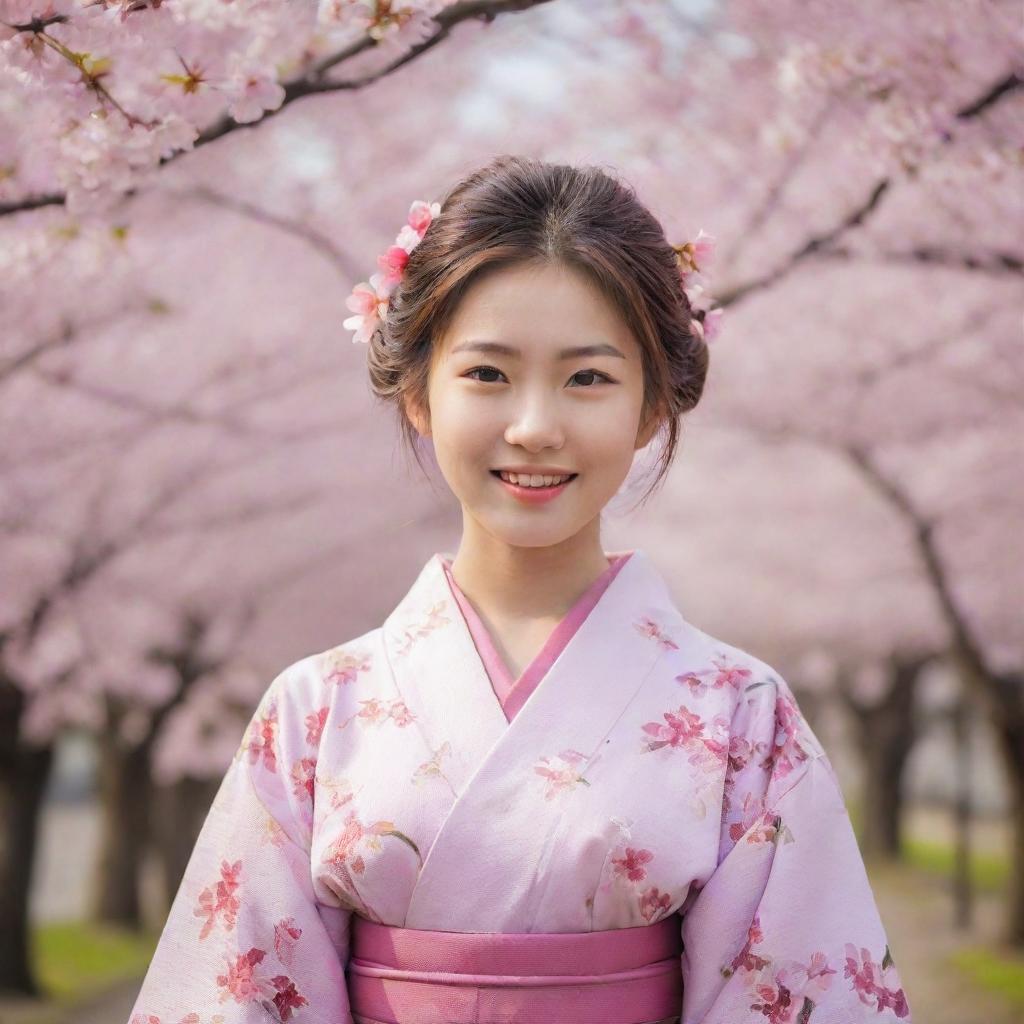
column 415, row 976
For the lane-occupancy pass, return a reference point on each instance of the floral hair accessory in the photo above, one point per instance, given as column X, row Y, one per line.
column 370, row 299
column 694, row 258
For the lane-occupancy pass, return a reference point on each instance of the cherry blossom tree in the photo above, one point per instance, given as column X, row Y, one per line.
column 856, row 164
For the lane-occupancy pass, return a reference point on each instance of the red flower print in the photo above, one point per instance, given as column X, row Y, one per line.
column 681, row 728
column 287, row 997
column 774, row 1001
column 654, row 904
column 286, row 934
column 219, row 899
column 874, row 983
column 303, row 778
column 315, row 726
column 262, row 737
column 241, row 982
column 745, row 959
column 632, row 864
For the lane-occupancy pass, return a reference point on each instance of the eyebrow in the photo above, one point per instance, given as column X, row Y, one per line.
column 498, row 348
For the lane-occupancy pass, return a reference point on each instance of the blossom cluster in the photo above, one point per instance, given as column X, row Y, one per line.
column 94, row 94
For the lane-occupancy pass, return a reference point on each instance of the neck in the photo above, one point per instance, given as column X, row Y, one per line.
column 509, row 583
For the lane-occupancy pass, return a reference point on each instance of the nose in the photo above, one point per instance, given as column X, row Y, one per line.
column 536, row 424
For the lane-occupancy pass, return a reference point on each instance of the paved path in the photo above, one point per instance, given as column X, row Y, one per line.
column 113, row 1008
column 917, row 912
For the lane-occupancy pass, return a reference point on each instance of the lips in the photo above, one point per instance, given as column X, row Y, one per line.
column 570, row 476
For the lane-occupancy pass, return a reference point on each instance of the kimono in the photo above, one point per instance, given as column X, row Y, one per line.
column 640, row 780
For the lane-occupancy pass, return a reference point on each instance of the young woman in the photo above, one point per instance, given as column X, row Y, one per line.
column 535, row 793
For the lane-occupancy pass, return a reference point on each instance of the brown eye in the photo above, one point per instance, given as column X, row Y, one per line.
column 593, row 373
column 483, row 369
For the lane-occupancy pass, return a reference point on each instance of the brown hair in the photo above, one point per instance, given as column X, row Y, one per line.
column 517, row 210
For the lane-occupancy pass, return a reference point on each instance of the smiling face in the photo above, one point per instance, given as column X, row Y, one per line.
column 530, row 404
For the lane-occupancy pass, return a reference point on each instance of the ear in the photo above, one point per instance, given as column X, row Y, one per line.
column 419, row 418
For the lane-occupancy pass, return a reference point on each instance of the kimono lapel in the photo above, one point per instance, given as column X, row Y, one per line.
column 481, row 872
column 437, row 670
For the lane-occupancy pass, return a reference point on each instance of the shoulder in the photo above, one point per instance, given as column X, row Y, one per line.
column 749, row 692
column 310, row 682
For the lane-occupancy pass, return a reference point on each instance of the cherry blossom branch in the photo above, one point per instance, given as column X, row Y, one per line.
column 999, row 263
column 822, row 244
column 313, row 83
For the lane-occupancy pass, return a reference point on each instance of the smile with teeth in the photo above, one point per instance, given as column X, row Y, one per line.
column 523, row 480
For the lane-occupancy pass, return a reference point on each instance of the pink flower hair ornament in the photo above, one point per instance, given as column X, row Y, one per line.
column 369, row 300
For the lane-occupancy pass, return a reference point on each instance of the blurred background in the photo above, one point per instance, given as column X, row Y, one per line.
column 197, row 487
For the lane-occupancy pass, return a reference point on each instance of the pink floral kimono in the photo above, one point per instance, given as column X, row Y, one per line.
column 641, row 828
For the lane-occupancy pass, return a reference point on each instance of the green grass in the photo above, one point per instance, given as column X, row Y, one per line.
column 76, row 959
column 1001, row 974
column 990, row 872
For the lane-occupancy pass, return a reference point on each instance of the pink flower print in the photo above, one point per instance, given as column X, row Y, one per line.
column 286, row 934
column 751, row 813
column 262, row 737
column 342, row 667
column 654, row 904
column 432, row 769
column 740, row 752
column 649, row 628
column 400, row 714
column 315, row 722
column 375, row 712
column 811, row 981
column 219, row 899
column 722, row 674
column 788, row 750
column 873, row 983
column 287, row 997
column 563, row 776
column 681, row 728
column 241, row 982
column 303, row 776
column 698, row 687
column 631, row 864
column 729, row 675
column 274, row 833
column 435, row 619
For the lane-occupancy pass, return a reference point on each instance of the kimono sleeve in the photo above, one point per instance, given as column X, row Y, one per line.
column 247, row 940
column 786, row 927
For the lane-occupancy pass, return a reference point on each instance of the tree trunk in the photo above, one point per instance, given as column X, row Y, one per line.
column 126, row 792
column 1010, row 733
column 183, row 809
column 24, row 772
column 886, row 734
